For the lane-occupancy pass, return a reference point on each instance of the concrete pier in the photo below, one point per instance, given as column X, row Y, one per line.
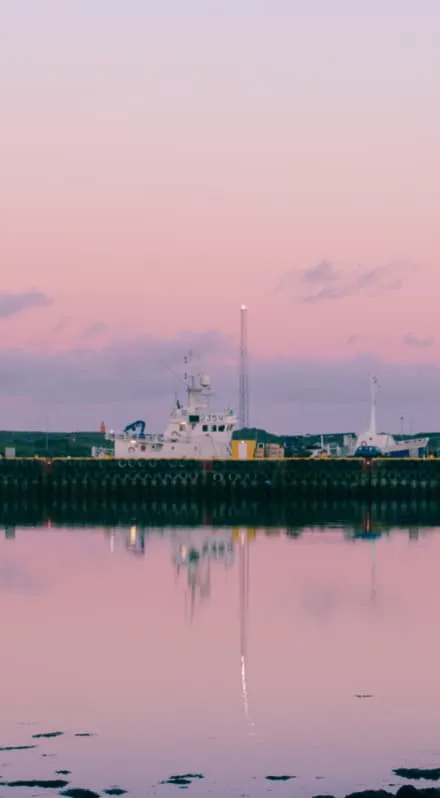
column 90, row 478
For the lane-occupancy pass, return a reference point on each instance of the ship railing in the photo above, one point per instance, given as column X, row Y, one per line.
column 149, row 437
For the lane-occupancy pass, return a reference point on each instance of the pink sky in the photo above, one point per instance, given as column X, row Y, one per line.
column 162, row 166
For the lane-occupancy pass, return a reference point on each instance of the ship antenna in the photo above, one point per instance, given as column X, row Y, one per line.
column 171, row 370
column 188, row 377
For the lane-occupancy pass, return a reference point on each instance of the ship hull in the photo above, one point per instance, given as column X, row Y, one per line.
column 418, row 450
column 197, row 449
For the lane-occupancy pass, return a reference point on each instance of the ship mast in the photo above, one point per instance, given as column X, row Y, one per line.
column 198, row 390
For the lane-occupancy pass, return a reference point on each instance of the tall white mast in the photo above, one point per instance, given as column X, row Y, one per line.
column 373, row 425
column 243, row 371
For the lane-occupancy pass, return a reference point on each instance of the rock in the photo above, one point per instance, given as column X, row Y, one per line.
column 183, row 780
column 179, row 781
column 53, row 784
column 430, row 774
column 370, row 794
column 409, row 791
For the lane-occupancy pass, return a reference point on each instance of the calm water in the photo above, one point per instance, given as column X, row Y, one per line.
column 238, row 666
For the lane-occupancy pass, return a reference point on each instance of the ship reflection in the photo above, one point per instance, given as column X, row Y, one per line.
column 196, row 552
column 368, row 532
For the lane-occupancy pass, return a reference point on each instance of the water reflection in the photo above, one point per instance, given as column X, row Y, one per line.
column 292, row 516
column 134, row 539
column 356, row 520
column 195, row 553
column 236, row 653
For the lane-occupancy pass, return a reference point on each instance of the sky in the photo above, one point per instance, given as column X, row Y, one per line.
column 162, row 163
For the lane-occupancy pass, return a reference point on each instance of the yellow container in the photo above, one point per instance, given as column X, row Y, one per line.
column 243, row 450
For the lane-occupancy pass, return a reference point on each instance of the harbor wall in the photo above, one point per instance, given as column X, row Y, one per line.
column 77, row 479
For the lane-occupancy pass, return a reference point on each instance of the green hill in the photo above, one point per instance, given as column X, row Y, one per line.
column 79, row 444
column 51, row 444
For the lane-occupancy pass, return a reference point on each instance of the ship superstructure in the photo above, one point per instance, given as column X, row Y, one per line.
column 195, row 552
column 193, row 431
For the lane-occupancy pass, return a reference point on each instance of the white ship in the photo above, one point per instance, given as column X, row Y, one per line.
column 378, row 444
column 194, row 431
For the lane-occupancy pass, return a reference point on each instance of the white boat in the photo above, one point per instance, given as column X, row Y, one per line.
column 378, row 444
column 194, row 432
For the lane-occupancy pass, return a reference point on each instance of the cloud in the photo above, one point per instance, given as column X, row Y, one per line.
column 12, row 304
column 323, row 272
column 123, row 371
column 61, row 324
column 410, row 339
column 326, row 281
column 97, row 328
column 138, row 379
